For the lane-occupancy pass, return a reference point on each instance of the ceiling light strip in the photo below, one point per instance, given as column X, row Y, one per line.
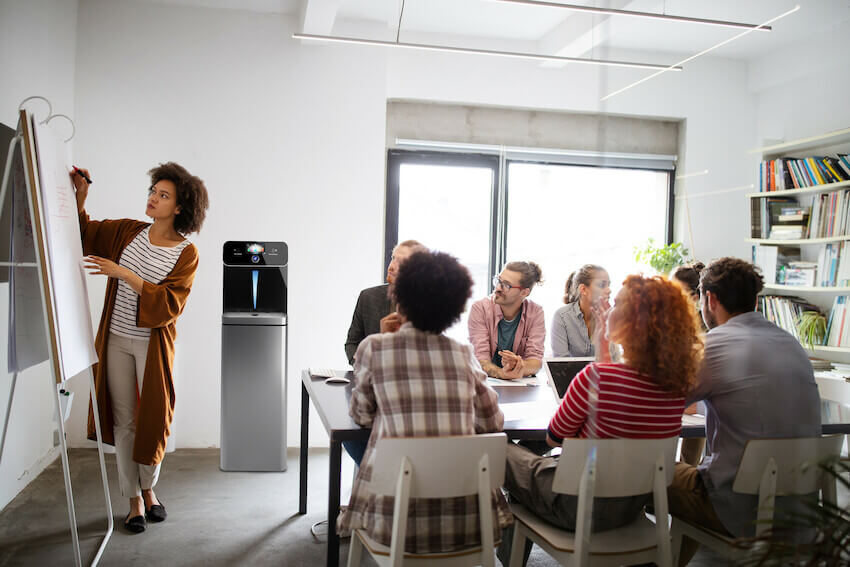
column 648, row 15
column 475, row 51
column 695, row 174
column 701, row 53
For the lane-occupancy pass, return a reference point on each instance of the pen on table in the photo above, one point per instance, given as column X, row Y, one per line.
column 84, row 176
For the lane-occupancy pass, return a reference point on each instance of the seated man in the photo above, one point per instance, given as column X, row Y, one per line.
column 418, row 382
column 374, row 306
column 375, row 313
column 757, row 382
column 507, row 329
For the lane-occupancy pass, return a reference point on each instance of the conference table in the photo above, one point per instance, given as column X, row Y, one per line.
column 527, row 412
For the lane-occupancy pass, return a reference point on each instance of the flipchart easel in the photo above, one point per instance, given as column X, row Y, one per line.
column 25, row 143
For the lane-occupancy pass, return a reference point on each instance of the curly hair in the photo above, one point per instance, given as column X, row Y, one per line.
column 431, row 290
column 192, row 196
column 659, row 331
column 736, row 284
column 530, row 271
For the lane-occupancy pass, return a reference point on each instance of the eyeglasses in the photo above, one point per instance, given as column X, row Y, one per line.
column 498, row 282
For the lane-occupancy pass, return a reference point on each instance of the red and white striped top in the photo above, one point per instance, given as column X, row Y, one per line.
column 628, row 405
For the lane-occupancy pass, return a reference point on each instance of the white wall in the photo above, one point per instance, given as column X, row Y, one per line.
column 37, row 57
column 290, row 141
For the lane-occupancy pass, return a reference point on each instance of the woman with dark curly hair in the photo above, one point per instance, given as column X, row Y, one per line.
column 417, row 382
column 150, row 267
column 642, row 396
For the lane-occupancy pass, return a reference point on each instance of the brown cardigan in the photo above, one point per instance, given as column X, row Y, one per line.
column 158, row 309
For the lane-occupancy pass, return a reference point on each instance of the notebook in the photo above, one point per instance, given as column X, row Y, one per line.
column 562, row 370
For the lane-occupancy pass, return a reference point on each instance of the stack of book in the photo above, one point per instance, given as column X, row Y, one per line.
column 796, row 173
column 783, row 311
column 774, row 262
column 779, row 218
column 838, row 325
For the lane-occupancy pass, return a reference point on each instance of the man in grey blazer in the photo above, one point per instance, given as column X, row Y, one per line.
column 375, row 312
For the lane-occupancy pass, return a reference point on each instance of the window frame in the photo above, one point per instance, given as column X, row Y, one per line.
column 500, row 189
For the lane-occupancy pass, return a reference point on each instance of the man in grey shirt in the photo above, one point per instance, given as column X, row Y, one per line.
column 756, row 382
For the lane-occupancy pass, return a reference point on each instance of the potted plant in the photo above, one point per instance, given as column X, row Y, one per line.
column 811, row 326
column 663, row 259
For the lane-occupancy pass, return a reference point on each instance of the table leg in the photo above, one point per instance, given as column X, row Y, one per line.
column 305, row 423
column 334, row 474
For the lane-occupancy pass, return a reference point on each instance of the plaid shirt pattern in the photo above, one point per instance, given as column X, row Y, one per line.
column 417, row 384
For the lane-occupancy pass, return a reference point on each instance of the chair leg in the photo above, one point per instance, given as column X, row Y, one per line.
column 518, row 546
column 676, row 544
column 355, row 550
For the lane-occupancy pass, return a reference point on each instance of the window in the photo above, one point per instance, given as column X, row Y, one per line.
column 559, row 215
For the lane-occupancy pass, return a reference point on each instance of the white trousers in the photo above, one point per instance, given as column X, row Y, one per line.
column 125, row 370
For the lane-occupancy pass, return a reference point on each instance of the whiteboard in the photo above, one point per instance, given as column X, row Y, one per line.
column 54, row 212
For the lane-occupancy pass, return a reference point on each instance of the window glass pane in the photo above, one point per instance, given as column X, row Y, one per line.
column 447, row 208
column 565, row 216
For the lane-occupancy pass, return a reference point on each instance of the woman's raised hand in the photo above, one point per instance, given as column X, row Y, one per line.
column 81, row 186
column 600, row 310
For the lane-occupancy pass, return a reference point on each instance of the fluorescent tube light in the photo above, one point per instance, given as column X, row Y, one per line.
column 647, row 15
column 701, row 53
column 475, row 51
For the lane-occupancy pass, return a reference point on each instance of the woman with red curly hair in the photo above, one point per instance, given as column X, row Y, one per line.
column 643, row 396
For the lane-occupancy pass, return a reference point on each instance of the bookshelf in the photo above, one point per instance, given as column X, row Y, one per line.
column 827, row 202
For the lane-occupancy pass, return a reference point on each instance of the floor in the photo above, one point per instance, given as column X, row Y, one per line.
column 214, row 517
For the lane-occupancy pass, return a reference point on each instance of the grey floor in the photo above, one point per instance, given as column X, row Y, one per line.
column 214, row 518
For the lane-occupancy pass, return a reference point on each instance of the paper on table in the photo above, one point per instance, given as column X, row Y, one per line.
column 524, row 410
column 530, row 381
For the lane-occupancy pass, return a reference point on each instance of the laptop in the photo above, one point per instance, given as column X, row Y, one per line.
column 562, row 370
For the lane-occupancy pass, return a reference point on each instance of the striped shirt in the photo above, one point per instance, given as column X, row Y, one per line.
column 627, row 405
column 150, row 262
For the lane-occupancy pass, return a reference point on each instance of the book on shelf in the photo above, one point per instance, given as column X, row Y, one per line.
column 784, row 311
column 833, row 266
column 838, row 323
column 797, row 173
column 829, row 215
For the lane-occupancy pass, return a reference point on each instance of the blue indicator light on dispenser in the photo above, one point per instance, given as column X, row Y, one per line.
column 255, row 275
column 255, row 249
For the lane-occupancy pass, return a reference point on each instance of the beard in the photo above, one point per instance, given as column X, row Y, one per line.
column 709, row 318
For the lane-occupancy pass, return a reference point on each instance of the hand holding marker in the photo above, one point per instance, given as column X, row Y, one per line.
column 80, row 172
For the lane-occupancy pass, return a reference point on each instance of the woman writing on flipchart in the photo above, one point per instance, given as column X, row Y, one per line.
column 150, row 267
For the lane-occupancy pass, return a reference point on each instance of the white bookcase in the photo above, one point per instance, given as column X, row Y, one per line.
column 830, row 144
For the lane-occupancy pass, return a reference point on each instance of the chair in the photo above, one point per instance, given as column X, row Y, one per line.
column 768, row 468
column 593, row 468
column 434, row 467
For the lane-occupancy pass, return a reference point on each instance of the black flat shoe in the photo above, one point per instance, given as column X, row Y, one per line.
column 156, row 513
column 135, row 525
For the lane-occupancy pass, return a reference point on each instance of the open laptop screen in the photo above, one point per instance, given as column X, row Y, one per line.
column 561, row 371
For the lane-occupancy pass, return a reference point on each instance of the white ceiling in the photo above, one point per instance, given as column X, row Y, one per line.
column 559, row 31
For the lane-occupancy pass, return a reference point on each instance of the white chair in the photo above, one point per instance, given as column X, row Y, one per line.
column 605, row 468
column 434, row 467
column 768, row 468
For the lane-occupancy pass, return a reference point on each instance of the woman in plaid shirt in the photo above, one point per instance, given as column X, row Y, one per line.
column 417, row 382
